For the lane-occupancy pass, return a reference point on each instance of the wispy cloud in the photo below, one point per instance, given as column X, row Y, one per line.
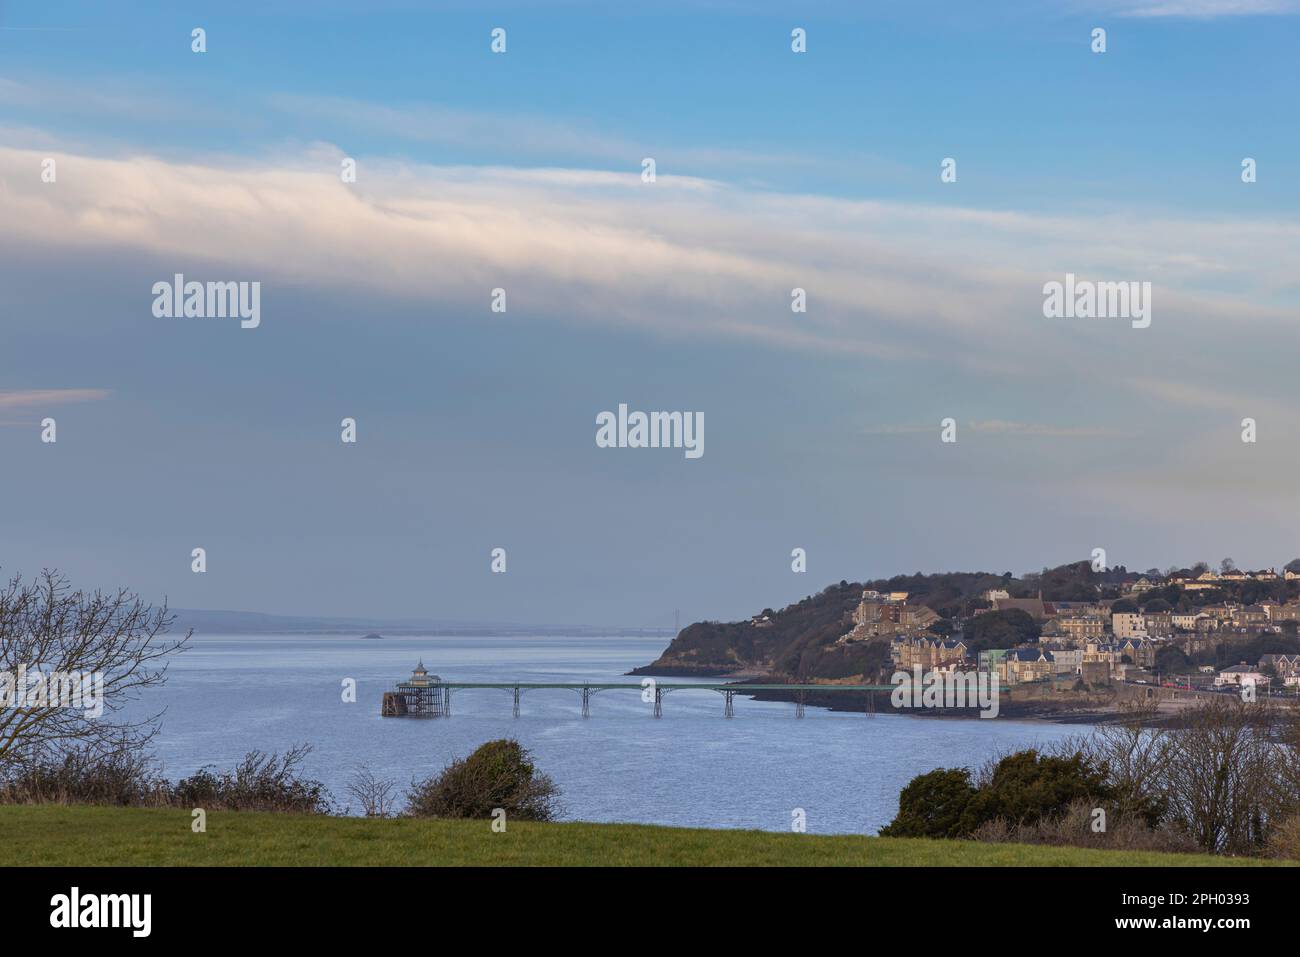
column 26, row 400
column 1003, row 427
column 1228, row 404
column 44, row 397
column 901, row 430
column 526, row 136
column 1205, row 9
column 110, row 96
column 448, row 126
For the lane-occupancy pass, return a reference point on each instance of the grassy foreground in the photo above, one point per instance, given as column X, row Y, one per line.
column 95, row 836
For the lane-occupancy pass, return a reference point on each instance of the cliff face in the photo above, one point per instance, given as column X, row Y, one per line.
column 798, row 641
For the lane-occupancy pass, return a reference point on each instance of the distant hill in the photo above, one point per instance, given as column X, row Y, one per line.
column 206, row 622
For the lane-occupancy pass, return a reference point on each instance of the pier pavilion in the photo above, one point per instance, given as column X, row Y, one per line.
column 421, row 696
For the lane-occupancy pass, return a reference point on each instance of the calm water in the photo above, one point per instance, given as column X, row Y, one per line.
column 229, row 695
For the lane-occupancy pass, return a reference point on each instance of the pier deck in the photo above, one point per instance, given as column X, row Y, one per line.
column 441, row 691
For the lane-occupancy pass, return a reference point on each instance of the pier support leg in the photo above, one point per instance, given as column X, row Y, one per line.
column 446, row 702
column 586, row 702
column 516, row 701
column 728, row 709
column 871, row 704
column 798, row 705
column 659, row 703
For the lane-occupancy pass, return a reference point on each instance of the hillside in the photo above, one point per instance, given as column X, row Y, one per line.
column 798, row 641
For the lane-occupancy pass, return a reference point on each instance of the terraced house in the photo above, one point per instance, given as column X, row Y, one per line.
column 1079, row 627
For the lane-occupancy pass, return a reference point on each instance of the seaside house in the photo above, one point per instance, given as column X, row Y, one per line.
column 1241, row 675
column 1028, row 664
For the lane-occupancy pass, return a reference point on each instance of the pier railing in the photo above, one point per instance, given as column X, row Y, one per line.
column 434, row 700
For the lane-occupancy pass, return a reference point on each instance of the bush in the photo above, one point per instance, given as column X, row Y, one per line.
column 1225, row 780
column 500, row 774
column 82, row 775
column 1026, row 787
column 933, row 805
column 1021, row 788
column 1285, row 839
column 88, row 775
column 374, row 794
column 1073, row 827
column 260, row 782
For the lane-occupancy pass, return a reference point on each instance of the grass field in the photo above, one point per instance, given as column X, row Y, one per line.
column 97, row 836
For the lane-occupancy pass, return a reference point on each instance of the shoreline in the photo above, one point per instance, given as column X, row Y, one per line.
column 1052, row 712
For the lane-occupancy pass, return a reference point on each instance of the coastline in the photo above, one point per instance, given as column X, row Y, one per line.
column 1031, row 710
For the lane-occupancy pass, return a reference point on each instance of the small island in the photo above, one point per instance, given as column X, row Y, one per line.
column 373, row 636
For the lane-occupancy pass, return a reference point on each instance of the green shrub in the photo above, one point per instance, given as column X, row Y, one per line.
column 1025, row 787
column 500, row 774
column 933, row 805
column 1022, row 789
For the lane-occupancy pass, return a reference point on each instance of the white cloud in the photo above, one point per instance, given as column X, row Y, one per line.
column 943, row 287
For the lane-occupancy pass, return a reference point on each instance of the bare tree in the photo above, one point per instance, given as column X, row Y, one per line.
column 1286, row 751
column 377, row 797
column 1222, row 781
column 1137, row 760
column 99, row 649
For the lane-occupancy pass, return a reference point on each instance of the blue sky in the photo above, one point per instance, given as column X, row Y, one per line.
column 521, row 171
column 885, row 88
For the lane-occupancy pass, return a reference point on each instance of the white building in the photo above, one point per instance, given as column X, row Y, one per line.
column 1128, row 624
column 1240, row 675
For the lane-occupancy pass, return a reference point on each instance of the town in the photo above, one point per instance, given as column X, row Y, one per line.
column 1195, row 629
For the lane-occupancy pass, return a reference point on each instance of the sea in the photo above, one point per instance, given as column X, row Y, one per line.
column 840, row 772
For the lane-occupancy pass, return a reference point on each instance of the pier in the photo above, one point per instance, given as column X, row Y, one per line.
column 428, row 696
